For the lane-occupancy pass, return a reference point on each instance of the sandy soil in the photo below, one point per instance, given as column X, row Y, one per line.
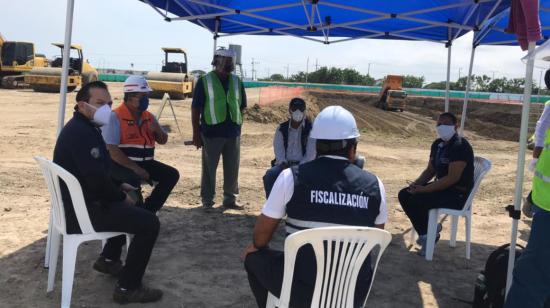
column 196, row 259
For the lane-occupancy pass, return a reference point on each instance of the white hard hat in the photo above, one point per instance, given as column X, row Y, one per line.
column 222, row 52
column 136, row 83
column 334, row 123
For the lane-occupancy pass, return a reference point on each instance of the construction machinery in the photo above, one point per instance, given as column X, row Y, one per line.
column 173, row 78
column 17, row 58
column 392, row 95
column 48, row 79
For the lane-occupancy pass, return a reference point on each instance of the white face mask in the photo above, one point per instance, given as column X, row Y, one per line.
column 446, row 132
column 297, row 115
column 102, row 115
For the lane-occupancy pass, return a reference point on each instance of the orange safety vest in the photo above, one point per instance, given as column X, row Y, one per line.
column 137, row 140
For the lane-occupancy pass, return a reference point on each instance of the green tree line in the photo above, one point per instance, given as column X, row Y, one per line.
column 350, row 76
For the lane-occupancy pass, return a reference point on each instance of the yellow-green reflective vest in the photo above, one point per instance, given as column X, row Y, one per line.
column 218, row 102
column 541, row 180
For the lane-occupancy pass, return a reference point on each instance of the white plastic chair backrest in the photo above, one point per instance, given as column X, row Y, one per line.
column 52, row 173
column 340, row 252
column 481, row 167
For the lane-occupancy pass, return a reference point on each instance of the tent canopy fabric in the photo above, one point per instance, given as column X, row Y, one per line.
column 492, row 32
column 323, row 21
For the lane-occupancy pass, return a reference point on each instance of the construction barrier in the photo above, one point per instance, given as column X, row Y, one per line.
column 290, row 89
column 269, row 95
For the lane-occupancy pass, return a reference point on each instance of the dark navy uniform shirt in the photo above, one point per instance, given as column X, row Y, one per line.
column 458, row 149
column 226, row 129
column 80, row 150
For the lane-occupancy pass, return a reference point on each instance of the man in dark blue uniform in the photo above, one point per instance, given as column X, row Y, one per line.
column 328, row 191
column 452, row 164
column 80, row 150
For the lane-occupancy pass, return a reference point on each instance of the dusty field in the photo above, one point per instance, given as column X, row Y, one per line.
column 196, row 259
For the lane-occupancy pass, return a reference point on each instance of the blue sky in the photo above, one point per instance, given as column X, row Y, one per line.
column 116, row 33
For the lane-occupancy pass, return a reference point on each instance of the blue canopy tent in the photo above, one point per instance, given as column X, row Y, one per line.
column 336, row 21
column 493, row 33
column 326, row 22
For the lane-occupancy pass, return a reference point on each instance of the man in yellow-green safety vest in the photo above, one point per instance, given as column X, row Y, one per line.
column 216, row 113
column 531, row 282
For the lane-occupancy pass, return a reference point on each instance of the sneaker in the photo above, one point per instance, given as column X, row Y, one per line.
column 110, row 267
column 233, row 206
column 439, row 228
column 140, row 295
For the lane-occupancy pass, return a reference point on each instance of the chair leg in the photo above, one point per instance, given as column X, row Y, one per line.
column 70, row 248
column 454, row 228
column 55, row 241
column 48, row 242
column 271, row 301
column 468, row 235
column 432, row 230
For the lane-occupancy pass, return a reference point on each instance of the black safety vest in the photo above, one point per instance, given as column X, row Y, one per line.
column 331, row 192
column 283, row 128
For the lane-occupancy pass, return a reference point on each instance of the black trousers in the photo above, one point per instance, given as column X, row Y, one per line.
column 418, row 206
column 265, row 269
column 144, row 225
column 166, row 177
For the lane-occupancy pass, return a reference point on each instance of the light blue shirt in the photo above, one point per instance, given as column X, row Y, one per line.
column 111, row 131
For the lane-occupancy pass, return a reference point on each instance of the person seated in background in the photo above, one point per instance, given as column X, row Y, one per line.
column 292, row 144
column 452, row 164
column 131, row 136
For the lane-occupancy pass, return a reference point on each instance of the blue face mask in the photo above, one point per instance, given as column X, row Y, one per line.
column 143, row 103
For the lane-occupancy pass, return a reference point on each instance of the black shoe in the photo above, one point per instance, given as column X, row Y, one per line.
column 112, row 268
column 233, row 206
column 140, row 295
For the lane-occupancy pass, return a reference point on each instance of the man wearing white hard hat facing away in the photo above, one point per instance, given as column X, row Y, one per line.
column 331, row 190
column 216, row 113
column 131, row 137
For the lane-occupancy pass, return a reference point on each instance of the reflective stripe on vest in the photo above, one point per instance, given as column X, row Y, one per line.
column 295, row 225
column 218, row 102
column 136, row 141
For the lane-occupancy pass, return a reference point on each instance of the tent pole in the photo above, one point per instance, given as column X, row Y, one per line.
column 65, row 66
column 467, row 93
column 521, row 158
column 447, row 84
column 216, row 28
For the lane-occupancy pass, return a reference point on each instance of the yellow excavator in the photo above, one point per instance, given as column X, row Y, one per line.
column 392, row 95
column 48, row 79
column 17, row 58
column 173, row 78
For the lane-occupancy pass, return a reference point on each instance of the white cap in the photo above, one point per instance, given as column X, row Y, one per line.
column 136, row 83
column 334, row 123
column 222, row 52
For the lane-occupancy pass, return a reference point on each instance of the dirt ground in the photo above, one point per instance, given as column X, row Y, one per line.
column 196, row 259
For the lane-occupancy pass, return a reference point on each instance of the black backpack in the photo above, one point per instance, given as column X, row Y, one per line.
column 490, row 285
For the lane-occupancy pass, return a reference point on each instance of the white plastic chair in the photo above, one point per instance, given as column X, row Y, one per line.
column 481, row 167
column 52, row 173
column 335, row 283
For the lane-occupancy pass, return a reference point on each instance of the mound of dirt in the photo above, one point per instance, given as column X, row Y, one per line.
column 276, row 113
column 493, row 120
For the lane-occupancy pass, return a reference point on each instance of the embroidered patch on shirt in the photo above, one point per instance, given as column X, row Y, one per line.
column 95, row 153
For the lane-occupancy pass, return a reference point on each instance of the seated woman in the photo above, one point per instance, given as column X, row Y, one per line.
column 452, row 164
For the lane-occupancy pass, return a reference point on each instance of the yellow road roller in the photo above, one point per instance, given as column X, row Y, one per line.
column 17, row 58
column 48, row 79
column 173, row 79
